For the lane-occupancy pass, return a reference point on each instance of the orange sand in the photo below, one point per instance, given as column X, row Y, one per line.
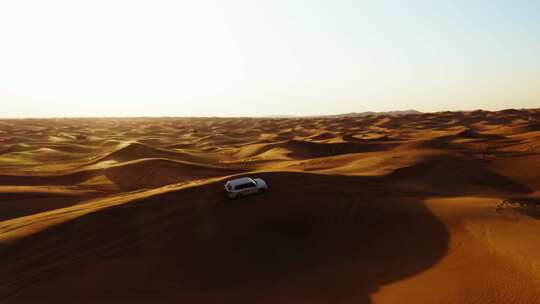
column 376, row 209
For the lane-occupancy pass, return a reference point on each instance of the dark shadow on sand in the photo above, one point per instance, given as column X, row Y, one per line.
column 312, row 237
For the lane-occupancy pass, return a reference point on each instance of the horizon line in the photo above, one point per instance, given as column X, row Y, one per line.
column 275, row 116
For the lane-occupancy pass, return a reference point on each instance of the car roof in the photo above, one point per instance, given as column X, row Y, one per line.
column 239, row 181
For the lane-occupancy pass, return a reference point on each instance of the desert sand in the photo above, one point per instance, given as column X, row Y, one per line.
column 375, row 209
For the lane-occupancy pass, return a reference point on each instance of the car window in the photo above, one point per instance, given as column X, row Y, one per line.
column 244, row 186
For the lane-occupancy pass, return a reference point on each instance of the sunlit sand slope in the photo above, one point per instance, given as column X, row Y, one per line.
column 375, row 209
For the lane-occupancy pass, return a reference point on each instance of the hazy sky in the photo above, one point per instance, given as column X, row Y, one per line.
column 256, row 57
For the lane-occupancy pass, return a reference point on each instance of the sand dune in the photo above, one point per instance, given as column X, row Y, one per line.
column 370, row 209
column 287, row 235
column 299, row 149
column 134, row 151
column 471, row 133
column 155, row 172
column 17, row 201
column 61, row 179
column 454, row 175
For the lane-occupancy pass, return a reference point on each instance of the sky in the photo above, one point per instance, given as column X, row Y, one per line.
column 72, row 58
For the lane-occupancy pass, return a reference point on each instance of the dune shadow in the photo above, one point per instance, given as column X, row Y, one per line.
column 453, row 175
column 35, row 180
column 314, row 238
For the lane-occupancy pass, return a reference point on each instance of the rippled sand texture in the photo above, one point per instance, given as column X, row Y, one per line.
column 376, row 209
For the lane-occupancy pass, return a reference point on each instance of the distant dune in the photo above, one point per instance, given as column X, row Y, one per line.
column 390, row 113
column 392, row 207
column 352, row 114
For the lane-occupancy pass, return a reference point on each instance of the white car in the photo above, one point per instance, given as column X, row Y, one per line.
column 244, row 186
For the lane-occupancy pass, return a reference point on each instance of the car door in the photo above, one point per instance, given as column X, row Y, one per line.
column 251, row 188
column 247, row 188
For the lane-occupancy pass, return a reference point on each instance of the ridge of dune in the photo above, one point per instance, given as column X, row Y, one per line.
column 16, row 148
column 129, row 175
column 260, row 242
column 471, row 133
column 527, row 127
column 134, row 151
column 46, row 179
column 492, row 257
column 18, row 201
column 450, row 174
column 301, row 149
column 158, row 222
column 156, row 172
column 378, row 209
